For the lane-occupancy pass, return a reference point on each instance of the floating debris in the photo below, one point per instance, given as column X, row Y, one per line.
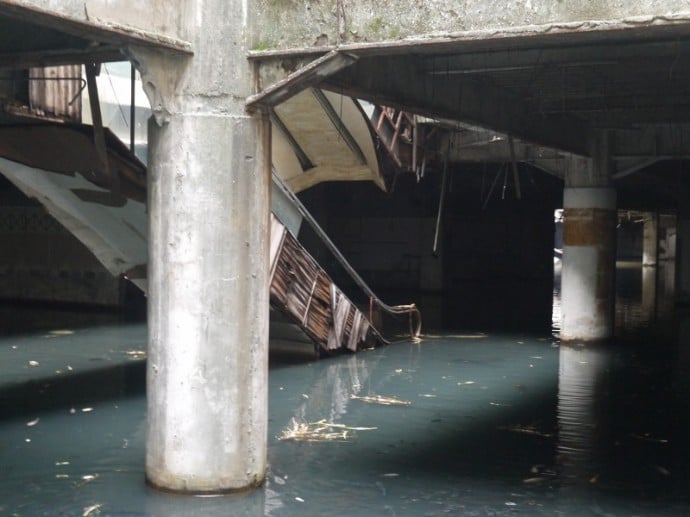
column 526, row 429
column 136, row 354
column 427, row 395
column 61, row 332
column 33, row 422
column 390, row 475
column 455, row 336
column 500, row 404
column 321, row 431
column 62, row 476
column 661, row 470
column 61, row 463
column 33, row 363
column 86, row 409
column 299, row 499
column 380, row 399
column 648, row 438
column 465, row 383
column 594, row 478
column 86, row 478
column 533, row 481
column 93, row 509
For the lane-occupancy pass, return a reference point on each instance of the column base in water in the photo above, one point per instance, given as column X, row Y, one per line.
column 588, row 274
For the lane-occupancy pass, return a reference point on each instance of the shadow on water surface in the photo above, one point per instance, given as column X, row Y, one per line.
column 497, row 424
column 72, row 389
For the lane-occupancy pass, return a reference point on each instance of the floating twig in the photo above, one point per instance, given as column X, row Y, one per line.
column 321, row 431
column 380, row 399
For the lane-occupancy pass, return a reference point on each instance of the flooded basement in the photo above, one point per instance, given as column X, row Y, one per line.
column 463, row 423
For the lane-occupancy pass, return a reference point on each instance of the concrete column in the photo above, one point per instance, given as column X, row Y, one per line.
column 650, row 239
column 683, row 255
column 589, row 248
column 209, row 203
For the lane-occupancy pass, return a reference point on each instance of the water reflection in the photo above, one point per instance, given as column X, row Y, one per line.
column 582, row 383
column 498, row 424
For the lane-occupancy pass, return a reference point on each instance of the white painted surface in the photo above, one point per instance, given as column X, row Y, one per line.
column 589, row 197
column 587, row 297
column 117, row 236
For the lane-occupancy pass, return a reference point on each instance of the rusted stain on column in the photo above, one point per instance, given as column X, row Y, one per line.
column 589, row 236
column 594, row 227
column 588, row 226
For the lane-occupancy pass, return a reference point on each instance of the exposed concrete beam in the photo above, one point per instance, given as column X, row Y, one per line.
column 663, row 141
column 397, row 82
column 96, row 30
column 319, row 174
column 626, row 169
column 102, row 54
column 617, row 118
column 307, row 76
column 396, row 26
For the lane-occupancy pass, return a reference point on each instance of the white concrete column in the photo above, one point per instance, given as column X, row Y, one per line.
column 650, row 239
column 589, row 248
column 209, row 206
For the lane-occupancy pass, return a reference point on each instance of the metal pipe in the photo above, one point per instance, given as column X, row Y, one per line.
column 132, row 108
column 440, row 201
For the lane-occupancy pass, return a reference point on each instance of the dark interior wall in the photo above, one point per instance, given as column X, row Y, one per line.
column 41, row 261
column 493, row 267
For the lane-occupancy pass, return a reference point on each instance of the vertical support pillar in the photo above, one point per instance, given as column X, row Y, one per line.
column 650, row 239
column 589, row 248
column 208, row 299
column 682, row 250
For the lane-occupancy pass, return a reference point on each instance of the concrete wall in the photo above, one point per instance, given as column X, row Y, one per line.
column 291, row 24
column 493, row 267
column 288, row 23
column 41, row 261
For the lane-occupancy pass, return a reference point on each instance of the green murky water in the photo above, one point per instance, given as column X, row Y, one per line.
column 496, row 424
